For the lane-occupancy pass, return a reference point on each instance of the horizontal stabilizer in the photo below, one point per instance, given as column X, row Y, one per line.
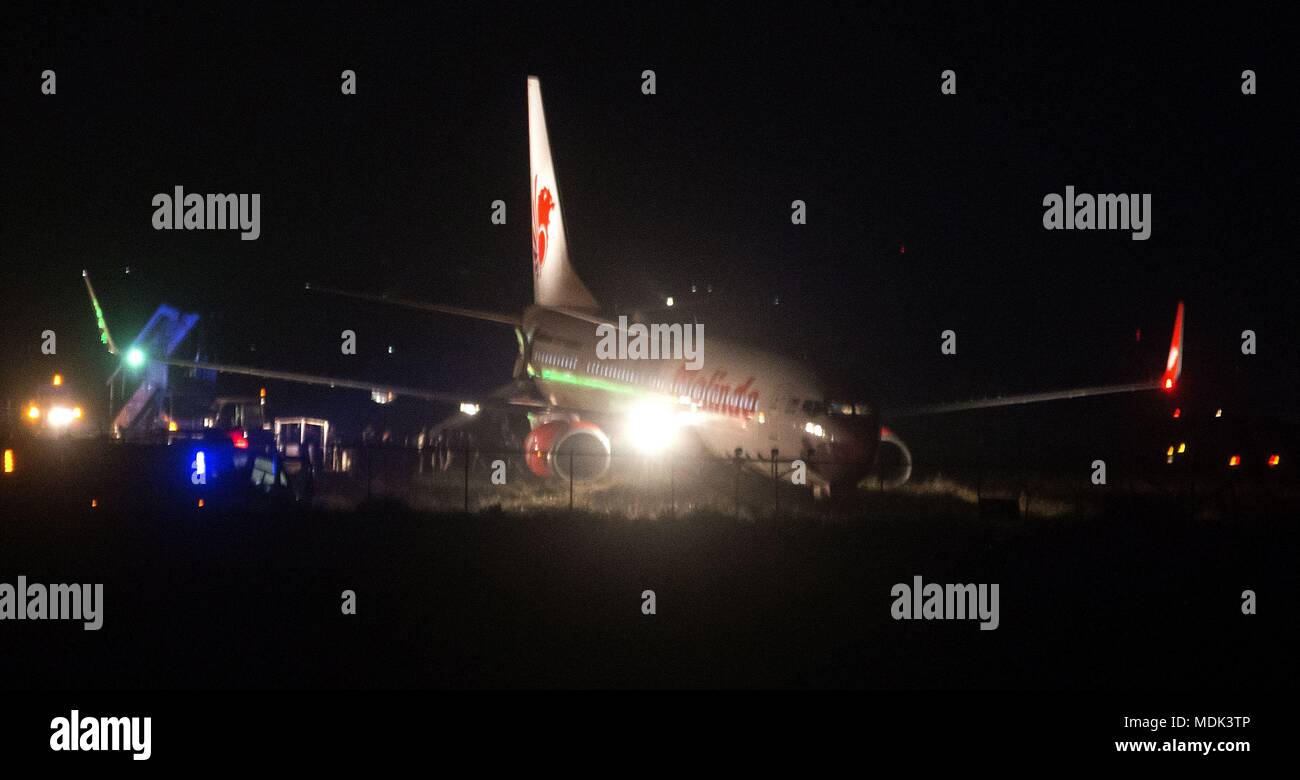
column 456, row 311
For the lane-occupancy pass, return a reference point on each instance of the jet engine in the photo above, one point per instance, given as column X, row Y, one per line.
column 564, row 448
column 893, row 460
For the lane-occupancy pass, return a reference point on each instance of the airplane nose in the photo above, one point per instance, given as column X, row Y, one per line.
column 847, row 452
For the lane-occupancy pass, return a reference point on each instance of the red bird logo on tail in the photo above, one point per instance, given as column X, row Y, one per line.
column 543, row 203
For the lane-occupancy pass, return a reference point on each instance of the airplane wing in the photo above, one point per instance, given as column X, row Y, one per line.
column 394, row 391
column 1173, row 370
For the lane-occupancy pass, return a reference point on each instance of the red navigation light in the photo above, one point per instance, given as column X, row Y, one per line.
column 1273, row 460
column 1178, row 413
column 1169, row 384
column 1234, row 461
column 237, row 438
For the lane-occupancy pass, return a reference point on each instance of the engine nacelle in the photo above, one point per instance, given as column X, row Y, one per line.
column 893, row 460
column 561, row 448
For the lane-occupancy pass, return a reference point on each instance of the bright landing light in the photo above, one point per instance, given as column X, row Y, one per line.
column 652, row 429
column 470, row 409
column 60, row 416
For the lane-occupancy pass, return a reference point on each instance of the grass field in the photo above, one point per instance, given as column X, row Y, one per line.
column 1139, row 594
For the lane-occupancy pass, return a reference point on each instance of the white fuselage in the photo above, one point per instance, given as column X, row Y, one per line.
column 738, row 399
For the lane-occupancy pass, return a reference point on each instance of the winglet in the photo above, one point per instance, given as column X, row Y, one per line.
column 1174, row 363
column 105, row 337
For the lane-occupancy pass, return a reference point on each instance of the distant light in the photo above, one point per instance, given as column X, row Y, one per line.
column 1234, row 461
column 694, row 288
column 670, row 301
column 172, row 427
column 1169, row 453
column 1218, row 412
column 33, row 412
column 57, row 381
column 76, row 412
column 1178, row 413
column 390, row 349
column 381, row 396
column 135, row 357
column 200, row 503
column 9, row 461
column 814, row 429
column 1273, row 460
column 1182, row 447
column 762, row 418
column 1169, row 384
column 261, row 393
column 470, row 409
column 94, row 502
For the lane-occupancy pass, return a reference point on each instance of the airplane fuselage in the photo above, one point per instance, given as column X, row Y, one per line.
column 738, row 399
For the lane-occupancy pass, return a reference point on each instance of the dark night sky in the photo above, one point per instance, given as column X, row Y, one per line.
column 390, row 190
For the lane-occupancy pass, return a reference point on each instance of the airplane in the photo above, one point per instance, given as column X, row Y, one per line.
column 741, row 402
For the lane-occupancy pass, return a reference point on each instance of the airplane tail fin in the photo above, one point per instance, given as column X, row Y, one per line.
column 555, row 284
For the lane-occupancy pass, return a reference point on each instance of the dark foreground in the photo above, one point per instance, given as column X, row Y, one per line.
column 201, row 598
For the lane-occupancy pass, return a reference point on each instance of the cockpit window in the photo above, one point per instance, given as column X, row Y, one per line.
column 814, row 407
column 849, row 409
